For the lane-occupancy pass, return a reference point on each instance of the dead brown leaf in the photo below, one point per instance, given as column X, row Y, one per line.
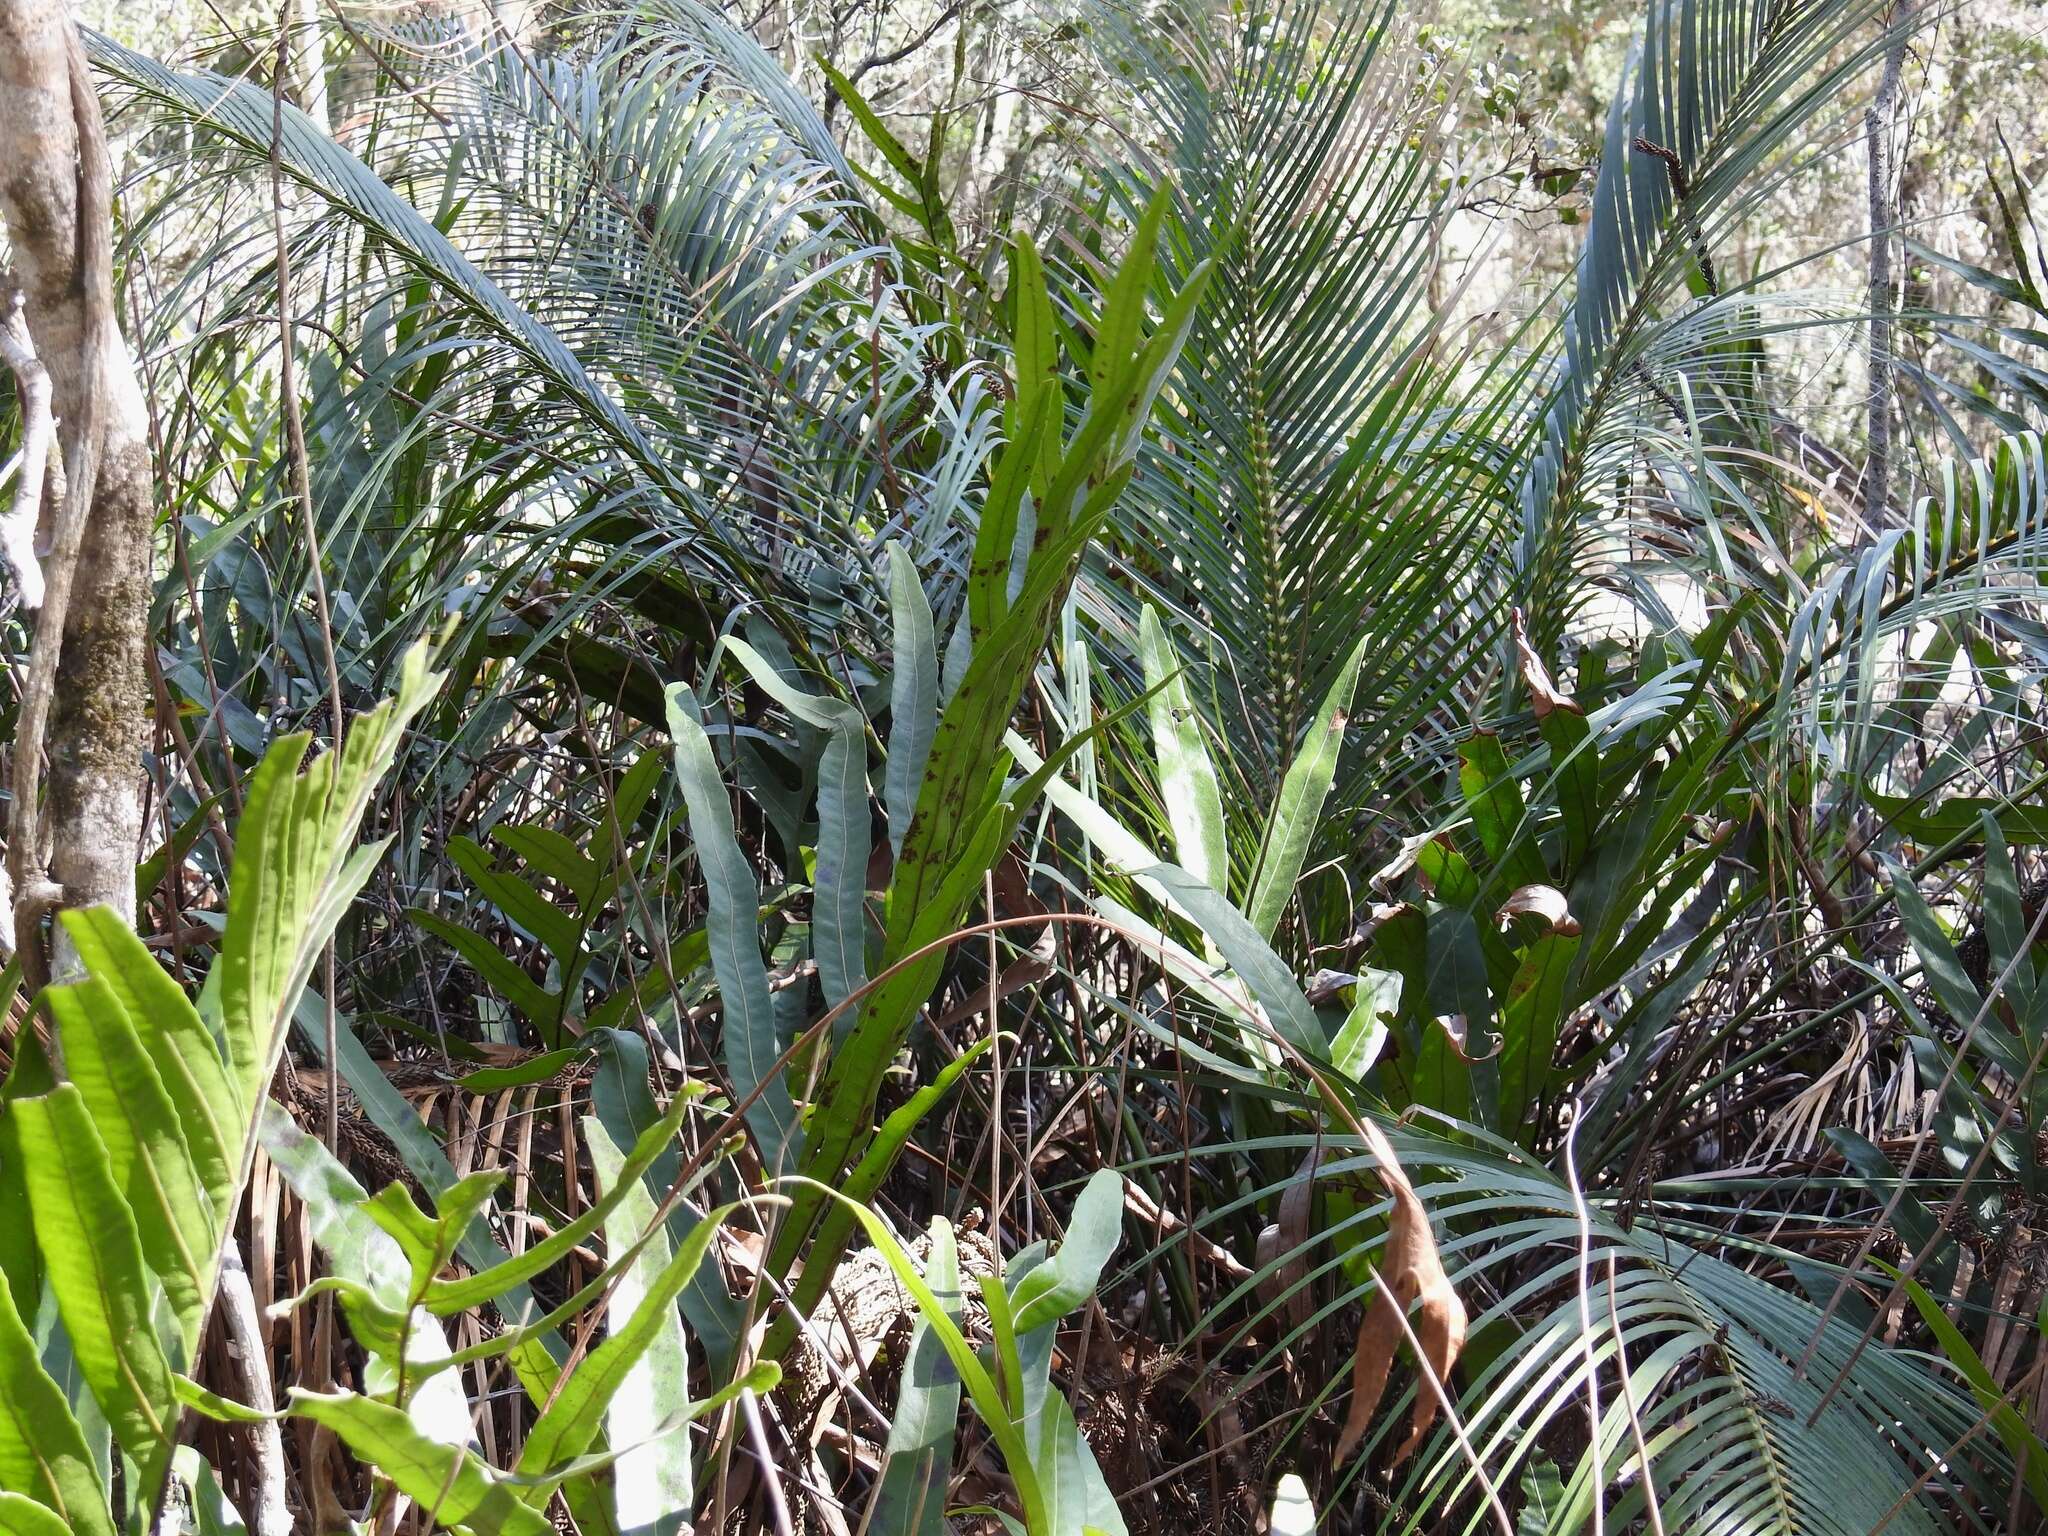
column 1289, row 1235
column 1544, row 901
column 1410, row 1271
column 1457, row 1030
column 1543, row 693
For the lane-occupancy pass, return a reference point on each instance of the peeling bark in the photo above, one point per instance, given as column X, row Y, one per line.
column 87, row 671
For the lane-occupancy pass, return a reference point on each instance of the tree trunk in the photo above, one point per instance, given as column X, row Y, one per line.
column 309, row 62
column 55, row 196
column 1880, row 123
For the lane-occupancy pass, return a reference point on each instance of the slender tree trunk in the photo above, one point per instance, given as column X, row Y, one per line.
column 87, row 671
column 309, row 62
column 1880, row 125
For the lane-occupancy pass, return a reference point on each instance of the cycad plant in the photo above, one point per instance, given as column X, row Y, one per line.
column 1084, row 742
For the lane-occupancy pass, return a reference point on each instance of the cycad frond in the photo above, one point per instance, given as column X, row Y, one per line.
column 1713, row 91
column 1323, row 469
column 1713, row 1343
column 656, row 306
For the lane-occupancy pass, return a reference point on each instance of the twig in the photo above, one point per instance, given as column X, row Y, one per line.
column 302, row 485
column 269, row 1515
column 897, row 55
column 295, row 446
column 751, row 1409
column 1628, row 1400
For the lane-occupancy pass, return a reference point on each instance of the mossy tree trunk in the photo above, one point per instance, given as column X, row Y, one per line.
column 95, row 547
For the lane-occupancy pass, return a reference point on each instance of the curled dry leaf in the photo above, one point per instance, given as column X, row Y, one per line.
column 1374, row 917
column 1458, row 1030
column 1402, row 861
column 1543, row 693
column 1288, row 1285
column 1544, row 901
column 1410, row 1271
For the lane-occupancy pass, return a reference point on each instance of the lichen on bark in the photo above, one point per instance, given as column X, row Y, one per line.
column 55, row 198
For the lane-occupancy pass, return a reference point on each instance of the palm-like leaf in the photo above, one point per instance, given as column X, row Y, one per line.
column 1713, row 1349
column 1739, row 1436
column 1324, row 471
column 1713, row 92
column 641, row 340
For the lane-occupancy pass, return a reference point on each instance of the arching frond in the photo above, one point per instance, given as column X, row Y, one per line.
column 1713, row 91
column 1331, row 463
column 641, row 339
